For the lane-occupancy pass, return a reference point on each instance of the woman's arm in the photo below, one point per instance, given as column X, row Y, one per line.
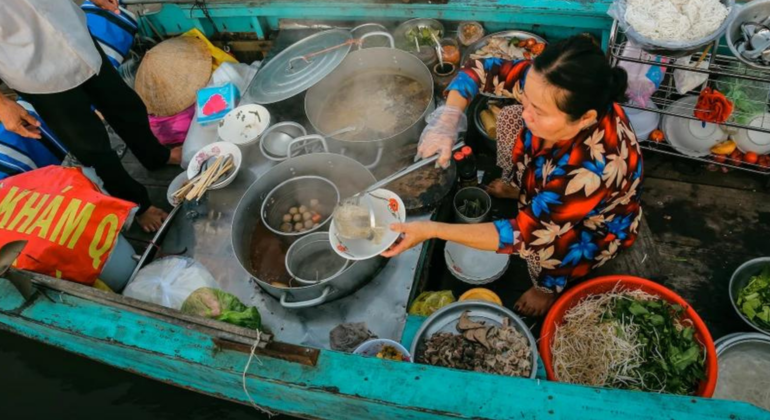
column 480, row 236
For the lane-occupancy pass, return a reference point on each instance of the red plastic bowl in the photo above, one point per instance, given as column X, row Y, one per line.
column 604, row 284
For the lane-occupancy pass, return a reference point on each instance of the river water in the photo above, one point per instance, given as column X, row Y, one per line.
column 38, row 381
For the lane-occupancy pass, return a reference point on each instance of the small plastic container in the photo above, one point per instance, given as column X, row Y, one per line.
column 213, row 103
column 372, row 347
column 469, row 32
column 481, row 293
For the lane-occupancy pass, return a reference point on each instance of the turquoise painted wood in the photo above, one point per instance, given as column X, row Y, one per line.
column 552, row 18
column 340, row 386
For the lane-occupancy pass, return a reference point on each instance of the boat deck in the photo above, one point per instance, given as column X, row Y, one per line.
column 701, row 225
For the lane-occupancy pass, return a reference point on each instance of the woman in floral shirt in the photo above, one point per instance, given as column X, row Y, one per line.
column 576, row 165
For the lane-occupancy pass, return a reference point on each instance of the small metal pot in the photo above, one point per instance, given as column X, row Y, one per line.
column 471, row 193
column 311, row 259
column 291, row 193
column 740, row 279
column 276, row 139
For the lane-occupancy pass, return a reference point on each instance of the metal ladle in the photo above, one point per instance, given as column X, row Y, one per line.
column 356, row 199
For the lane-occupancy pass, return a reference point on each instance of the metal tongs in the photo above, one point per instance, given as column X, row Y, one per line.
column 365, row 221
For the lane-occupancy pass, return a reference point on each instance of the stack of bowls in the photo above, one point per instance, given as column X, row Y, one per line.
column 474, row 266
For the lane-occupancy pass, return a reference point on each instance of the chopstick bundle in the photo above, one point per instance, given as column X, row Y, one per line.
column 197, row 186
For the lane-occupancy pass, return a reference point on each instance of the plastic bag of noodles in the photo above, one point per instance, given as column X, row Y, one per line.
column 429, row 302
column 222, row 306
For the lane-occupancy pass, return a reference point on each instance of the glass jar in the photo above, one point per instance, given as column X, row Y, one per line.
column 450, row 51
column 443, row 75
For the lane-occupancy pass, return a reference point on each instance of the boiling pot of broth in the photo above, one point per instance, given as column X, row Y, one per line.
column 262, row 253
column 383, row 94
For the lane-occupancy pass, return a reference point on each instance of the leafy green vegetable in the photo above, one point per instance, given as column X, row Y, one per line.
column 754, row 299
column 673, row 358
column 425, row 35
column 222, row 306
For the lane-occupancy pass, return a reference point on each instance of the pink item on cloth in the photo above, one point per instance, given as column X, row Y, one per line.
column 171, row 131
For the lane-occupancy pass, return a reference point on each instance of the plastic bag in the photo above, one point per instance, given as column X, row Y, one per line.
column 169, row 281
column 222, row 306
column 218, row 55
column 643, row 79
column 429, row 302
column 688, row 80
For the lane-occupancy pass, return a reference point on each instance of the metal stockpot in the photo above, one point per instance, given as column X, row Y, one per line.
column 357, row 62
column 350, row 177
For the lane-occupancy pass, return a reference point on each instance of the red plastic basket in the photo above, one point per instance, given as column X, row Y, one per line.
column 604, row 284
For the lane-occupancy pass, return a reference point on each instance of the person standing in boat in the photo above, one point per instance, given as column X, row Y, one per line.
column 49, row 58
column 575, row 161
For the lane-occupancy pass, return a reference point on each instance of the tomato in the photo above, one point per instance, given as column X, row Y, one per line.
column 719, row 158
column 657, row 136
column 751, row 158
column 736, row 158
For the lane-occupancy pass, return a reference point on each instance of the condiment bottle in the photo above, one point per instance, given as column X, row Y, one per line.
column 466, row 167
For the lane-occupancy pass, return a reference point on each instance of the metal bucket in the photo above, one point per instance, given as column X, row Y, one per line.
column 471, row 193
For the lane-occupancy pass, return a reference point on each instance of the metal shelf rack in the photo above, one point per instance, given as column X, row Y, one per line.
column 724, row 73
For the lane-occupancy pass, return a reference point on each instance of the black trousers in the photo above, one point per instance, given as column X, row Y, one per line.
column 70, row 117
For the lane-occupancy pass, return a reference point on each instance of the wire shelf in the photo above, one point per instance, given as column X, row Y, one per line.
column 726, row 161
column 747, row 88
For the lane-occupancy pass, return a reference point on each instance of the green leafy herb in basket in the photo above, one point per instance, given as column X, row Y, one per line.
column 754, row 299
column 673, row 360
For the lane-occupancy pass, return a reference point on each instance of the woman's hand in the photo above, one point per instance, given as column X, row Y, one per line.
column 501, row 189
column 108, row 5
column 17, row 120
column 440, row 135
column 413, row 233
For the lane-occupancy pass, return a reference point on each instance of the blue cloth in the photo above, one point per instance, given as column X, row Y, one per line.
column 114, row 32
column 21, row 154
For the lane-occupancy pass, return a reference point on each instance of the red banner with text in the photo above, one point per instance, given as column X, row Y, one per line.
column 70, row 225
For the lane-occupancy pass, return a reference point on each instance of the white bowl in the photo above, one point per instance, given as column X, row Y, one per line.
column 474, row 266
column 690, row 137
column 244, row 125
column 643, row 122
column 363, row 249
column 754, row 141
column 174, row 186
column 213, row 150
column 370, row 348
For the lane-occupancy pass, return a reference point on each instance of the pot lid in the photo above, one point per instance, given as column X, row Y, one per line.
column 287, row 74
column 744, row 368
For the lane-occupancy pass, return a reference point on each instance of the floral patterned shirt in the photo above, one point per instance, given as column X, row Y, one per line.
column 580, row 199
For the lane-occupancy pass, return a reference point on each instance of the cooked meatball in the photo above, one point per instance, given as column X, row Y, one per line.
column 293, row 211
column 297, row 217
column 286, row 218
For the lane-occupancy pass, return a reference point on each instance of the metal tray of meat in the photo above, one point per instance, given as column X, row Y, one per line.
column 446, row 319
column 505, row 34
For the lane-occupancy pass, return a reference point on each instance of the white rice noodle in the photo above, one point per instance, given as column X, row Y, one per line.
column 675, row 20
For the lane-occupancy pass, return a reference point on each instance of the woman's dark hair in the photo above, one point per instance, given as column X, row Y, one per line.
column 578, row 66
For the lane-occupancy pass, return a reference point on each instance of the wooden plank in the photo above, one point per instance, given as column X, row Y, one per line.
column 340, row 386
column 60, row 288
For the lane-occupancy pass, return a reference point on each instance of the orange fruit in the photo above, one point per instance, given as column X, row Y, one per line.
column 751, row 158
column 657, row 136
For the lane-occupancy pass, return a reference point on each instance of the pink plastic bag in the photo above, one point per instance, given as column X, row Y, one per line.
column 172, row 131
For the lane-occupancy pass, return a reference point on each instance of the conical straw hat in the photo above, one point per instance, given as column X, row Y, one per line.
column 171, row 74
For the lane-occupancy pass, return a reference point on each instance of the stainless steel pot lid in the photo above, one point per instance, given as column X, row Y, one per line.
column 288, row 74
column 744, row 368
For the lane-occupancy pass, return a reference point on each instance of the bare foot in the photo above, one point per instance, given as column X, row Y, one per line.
column 176, row 156
column 534, row 302
column 151, row 219
column 501, row 189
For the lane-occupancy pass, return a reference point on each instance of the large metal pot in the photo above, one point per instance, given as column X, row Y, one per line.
column 350, row 177
column 357, row 62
